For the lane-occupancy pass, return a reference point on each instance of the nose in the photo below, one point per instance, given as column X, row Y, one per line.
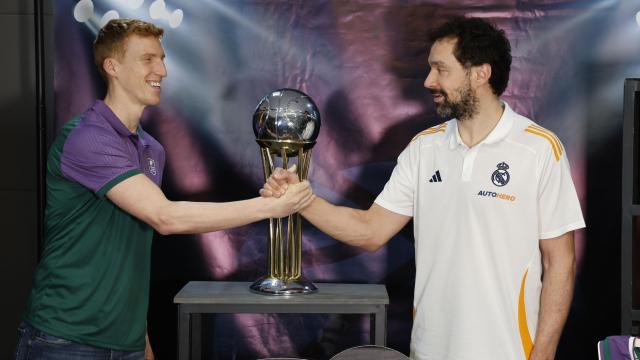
column 161, row 68
column 430, row 82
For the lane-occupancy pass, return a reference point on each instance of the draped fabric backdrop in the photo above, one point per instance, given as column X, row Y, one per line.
column 363, row 62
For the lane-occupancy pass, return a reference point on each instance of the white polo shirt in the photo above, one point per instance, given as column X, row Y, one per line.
column 479, row 214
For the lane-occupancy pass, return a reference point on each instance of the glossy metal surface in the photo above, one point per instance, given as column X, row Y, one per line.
column 286, row 115
column 273, row 286
column 368, row 352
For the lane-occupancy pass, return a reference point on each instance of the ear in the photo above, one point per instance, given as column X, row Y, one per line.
column 110, row 66
column 481, row 74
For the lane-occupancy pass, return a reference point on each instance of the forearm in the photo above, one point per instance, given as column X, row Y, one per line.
column 368, row 229
column 143, row 199
column 555, row 301
column 348, row 225
column 184, row 217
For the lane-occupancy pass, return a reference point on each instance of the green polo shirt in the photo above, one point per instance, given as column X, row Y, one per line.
column 92, row 283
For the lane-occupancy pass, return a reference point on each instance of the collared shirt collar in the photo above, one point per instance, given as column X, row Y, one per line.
column 105, row 111
column 499, row 132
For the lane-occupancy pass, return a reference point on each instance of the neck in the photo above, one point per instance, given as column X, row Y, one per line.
column 477, row 128
column 127, row 112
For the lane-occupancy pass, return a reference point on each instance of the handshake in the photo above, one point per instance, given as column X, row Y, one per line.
column 287, row 194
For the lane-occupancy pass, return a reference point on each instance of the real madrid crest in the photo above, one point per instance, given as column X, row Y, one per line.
column 501, row 176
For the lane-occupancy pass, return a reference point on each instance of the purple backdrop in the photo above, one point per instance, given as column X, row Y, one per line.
column 363, row 63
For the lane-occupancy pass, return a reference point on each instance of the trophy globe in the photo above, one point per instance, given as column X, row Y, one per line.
column 286, row 124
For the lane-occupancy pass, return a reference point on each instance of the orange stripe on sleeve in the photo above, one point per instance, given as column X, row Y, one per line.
column 432, row 130
column 555, row 138
column 548, row 137
column 525, row 336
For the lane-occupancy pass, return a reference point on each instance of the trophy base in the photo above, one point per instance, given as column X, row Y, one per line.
column 272, row 286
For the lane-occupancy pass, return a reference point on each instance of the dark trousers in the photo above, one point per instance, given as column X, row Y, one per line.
column 34, row 344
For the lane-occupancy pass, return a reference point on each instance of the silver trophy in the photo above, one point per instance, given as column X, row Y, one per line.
column 286, row 124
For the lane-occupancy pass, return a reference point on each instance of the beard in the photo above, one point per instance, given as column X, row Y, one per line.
column 463, row 109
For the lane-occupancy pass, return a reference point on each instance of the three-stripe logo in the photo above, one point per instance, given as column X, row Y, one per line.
column 436, row 177
column 556, row 145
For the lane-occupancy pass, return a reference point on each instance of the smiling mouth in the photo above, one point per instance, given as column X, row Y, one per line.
column 155, row 84
column 438, row 95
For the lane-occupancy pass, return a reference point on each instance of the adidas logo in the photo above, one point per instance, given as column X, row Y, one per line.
column 436, row 177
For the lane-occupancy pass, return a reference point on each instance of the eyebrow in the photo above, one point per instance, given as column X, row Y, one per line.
column 152, row 54
column 437, row 63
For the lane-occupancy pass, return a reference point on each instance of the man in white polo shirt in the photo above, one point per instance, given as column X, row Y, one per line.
column 493, row 205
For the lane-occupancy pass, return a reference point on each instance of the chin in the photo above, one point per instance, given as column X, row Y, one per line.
column 153, row 102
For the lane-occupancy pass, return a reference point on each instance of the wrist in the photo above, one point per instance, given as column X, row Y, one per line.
column 262, row 207
column 307, row 209
column 541, row 352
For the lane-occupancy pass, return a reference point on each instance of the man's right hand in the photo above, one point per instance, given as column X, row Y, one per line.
column 296, row 197
column 278, row 183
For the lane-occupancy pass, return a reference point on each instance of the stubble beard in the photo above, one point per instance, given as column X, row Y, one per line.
column 463, row 109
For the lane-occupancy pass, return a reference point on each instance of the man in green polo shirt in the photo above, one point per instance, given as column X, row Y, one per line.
column 91, row 288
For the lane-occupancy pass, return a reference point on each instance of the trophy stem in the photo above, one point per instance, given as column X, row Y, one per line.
column 267, row 165
column 296, row 253
column 298, row 247
column 284, row 240
column 267, row 169
column 300, row 163
column 285, row 158
column 305, row 159
column 290, row 248
column 270, row 262
column 279, row 258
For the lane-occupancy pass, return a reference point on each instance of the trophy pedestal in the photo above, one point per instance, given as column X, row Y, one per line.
column 272, row 286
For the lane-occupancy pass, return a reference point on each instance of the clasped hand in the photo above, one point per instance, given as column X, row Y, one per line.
column 281, row 181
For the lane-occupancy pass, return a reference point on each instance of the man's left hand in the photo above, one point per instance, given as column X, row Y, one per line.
column 148, row 352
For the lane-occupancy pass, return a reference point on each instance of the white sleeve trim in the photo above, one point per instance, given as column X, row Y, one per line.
column 393, row 208
column 563, row 230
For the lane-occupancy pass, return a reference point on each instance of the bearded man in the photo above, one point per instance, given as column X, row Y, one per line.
column 493, row 208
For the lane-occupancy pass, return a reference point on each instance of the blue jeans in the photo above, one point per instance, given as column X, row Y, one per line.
column 34, row 344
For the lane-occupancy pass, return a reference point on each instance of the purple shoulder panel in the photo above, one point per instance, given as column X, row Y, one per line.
column 94, row 153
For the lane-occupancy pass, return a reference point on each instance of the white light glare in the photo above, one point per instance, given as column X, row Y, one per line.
column 157, row 9
column 638, row 18
column 108, row 16
column 176, row 18
column 83, row 10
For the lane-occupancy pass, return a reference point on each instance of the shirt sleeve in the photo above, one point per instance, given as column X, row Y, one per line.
column 97, row 159
column 399, row 192
column 558, row 206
